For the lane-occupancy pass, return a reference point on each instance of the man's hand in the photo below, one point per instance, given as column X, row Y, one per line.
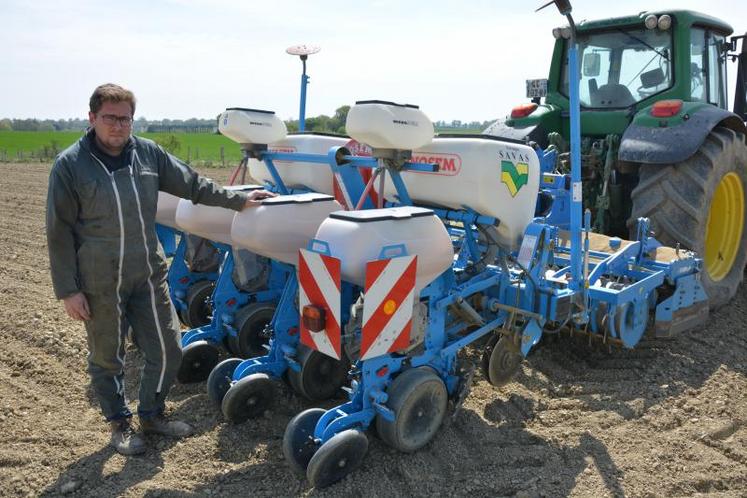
column 76, row 307
column 255, row 197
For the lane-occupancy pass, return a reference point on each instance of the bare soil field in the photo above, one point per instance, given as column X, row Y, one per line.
column 666, row 419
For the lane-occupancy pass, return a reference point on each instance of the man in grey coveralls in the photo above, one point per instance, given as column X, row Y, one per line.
column 107, row 265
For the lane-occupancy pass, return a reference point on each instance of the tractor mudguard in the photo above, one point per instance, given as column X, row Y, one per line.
column 532, row 133
column 678, row 139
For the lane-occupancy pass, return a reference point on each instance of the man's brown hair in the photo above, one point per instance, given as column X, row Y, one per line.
column 109, row 92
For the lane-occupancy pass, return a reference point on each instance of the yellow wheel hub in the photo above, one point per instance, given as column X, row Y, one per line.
column 724, row 228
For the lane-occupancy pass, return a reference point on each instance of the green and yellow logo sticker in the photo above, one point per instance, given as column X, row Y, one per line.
column 514, row 176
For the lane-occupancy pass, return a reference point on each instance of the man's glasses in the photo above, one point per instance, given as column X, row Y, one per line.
column 111, row 120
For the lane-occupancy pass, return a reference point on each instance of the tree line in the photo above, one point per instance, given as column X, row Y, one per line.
column 321, row 123
column 74, row 124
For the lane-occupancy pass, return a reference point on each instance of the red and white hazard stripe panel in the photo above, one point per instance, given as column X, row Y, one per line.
column 319, row 284
column 387, row 305
column 340, row 192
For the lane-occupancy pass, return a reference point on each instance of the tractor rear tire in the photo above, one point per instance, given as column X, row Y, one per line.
column 700, row 203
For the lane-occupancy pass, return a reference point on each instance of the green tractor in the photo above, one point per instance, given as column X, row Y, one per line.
column 657, row 138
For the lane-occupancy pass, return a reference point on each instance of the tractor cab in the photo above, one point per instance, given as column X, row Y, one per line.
column 624, row 66
column 627, row 64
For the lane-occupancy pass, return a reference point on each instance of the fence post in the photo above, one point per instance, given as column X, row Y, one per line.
column 222, row 156
column 197, row 153
column 189, row 154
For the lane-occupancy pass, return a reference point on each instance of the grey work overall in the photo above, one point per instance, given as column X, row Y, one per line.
column 102, row 241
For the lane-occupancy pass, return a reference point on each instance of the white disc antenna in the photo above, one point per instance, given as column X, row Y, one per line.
column 303, row 50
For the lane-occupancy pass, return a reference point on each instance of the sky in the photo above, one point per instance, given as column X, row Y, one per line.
column 193, row 58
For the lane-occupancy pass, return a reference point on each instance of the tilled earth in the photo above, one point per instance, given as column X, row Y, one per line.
column 666, row 419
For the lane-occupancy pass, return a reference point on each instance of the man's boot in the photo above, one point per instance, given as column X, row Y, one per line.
column 158, row 424
column 124, row 439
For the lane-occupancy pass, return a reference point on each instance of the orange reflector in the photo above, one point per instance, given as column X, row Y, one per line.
column 382, row 371
column 666, row 108
column 390, row 306
column 523, row 110
column 313, row 317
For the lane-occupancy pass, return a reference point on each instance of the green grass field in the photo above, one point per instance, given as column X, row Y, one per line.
column 193, row 146
column 460, row 131
column 11, row 142
column 198, row 148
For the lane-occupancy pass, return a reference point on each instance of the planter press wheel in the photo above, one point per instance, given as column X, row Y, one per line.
column 248, row 398
column 501, row 361
column 298, row 440
column 220, row 378
column 199, row 309
column 198, row 359
column 631, row 321
column 321, row 376
column 419, row 400
column 251, row 321
column 336, row 458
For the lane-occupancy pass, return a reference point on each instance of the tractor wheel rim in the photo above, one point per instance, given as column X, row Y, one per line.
column 724, row 228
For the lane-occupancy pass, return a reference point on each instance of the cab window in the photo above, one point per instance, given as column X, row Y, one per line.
column 697, row 65
column 716, row 70
column 620, row 68
column 707, row 68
